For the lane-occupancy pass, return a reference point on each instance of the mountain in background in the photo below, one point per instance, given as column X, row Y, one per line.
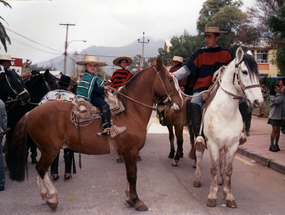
column 106, row 55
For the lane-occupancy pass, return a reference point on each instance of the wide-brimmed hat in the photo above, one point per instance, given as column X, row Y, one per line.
column 213, row 30
column 6, row 57
column 35, row 72
column 65, row 80
column 123, row 57
column 91, row 59
column 177, row 58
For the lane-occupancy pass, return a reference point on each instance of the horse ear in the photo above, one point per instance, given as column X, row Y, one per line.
column 152, row 62
column 46, row 74
column 159, row 64
column 239, row 54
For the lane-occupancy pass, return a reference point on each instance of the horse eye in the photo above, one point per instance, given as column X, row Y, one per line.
column 244, row 72
column 170, row 79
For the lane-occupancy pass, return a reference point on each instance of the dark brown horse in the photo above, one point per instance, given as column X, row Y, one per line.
column 50, row 127
column 177, row 119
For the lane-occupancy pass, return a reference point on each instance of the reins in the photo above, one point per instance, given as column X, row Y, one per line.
column 168, row 98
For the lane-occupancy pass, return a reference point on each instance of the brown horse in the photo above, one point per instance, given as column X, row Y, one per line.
column 177, row 119
column 50, row 127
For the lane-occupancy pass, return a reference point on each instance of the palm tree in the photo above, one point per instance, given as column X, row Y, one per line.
column 3, row 35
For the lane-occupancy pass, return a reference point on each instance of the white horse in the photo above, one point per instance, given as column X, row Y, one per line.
column 222, row 124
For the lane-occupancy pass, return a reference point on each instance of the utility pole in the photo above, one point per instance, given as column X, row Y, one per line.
column 65, row 50
column 142, row 58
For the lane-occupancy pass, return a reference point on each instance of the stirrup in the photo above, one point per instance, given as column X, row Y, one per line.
column 54, row 177
column 200, row 143
column 67, row 176
column 106, row 131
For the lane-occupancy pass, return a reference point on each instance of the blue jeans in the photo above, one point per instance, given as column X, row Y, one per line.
column 2, row 171
column 198, row 99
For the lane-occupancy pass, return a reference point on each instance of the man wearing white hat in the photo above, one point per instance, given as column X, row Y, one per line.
column 5, row 61
column 202, row 65
column 177, row 63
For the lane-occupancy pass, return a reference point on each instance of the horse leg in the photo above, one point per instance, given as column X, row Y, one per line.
column 179, row 137
column 215, row 168
column 131, row 193
column 47, row 190
column 192, row 153
column 171, row 140
column 197, row 178
column 222, row 167
column 120, row 158
column 228, row 169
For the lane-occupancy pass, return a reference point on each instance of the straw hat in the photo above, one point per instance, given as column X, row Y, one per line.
column 177, row 58
column 6, row 57
column 214, row 30
column 91, row 59
column 123, row 57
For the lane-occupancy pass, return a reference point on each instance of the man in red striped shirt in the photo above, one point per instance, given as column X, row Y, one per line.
column 202, row 65
column 120, row 76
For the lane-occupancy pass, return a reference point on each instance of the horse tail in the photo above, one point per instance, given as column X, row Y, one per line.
column 17, row 151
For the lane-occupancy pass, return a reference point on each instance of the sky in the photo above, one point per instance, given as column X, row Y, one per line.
column 36, row 34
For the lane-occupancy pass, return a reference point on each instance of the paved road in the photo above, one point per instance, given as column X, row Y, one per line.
column 98, row 188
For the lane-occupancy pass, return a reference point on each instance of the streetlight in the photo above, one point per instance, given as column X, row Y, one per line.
column 65, row 52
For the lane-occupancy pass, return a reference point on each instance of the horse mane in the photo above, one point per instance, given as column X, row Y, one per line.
column 252, row 70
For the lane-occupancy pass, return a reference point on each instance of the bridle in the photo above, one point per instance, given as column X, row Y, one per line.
column 168, row 99
column 240, row 83
column 14, row 91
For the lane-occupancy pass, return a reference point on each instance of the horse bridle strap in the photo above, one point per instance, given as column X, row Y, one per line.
column 15, row 91
column 151, row 107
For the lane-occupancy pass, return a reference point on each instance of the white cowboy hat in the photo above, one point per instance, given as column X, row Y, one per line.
column 123, row 57
column 91, row 59
column 6, row 57
column 214, row 30
column 177, row 58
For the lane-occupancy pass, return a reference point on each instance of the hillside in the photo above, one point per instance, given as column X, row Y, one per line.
column 106, row 54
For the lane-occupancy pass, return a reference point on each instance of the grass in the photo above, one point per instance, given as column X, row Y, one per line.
column 266, row 111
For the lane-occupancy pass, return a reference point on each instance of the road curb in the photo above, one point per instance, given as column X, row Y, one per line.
column 262, row 160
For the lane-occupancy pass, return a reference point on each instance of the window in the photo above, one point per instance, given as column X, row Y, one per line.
column 262, row 56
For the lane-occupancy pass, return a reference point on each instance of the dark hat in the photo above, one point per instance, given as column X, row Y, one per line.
column 65, row 80
column 35, row 72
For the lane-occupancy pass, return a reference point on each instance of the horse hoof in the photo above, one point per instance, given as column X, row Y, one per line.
column 53, row 206
column 140, row 206
column 197, row 184
column 130, row 202
column 139, row 158
column 171, row 156
column 242, row 139
column 120, row 161
column 174, row 163
column 211, row 203
column 231, row 204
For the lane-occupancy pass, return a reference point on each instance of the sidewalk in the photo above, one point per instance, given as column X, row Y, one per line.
column 257, row 145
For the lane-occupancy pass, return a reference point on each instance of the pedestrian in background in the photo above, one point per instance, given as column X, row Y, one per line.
column 177, row 63
column 3, row 129
column 264, row 95
column 275, row 116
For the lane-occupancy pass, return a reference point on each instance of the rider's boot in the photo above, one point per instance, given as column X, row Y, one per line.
column 195, row 113
column 108, row 129
column 68, row 155
column 54, row 169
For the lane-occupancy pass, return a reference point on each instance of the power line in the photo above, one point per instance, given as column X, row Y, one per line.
column 32, row 40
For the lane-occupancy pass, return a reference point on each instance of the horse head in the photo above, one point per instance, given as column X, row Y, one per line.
column 40, row 85
column 12, row 86
column 167, row 87
column 247, row 78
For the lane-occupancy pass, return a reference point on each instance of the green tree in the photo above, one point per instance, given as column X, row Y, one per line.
column 224, row 14
column 3, row 35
